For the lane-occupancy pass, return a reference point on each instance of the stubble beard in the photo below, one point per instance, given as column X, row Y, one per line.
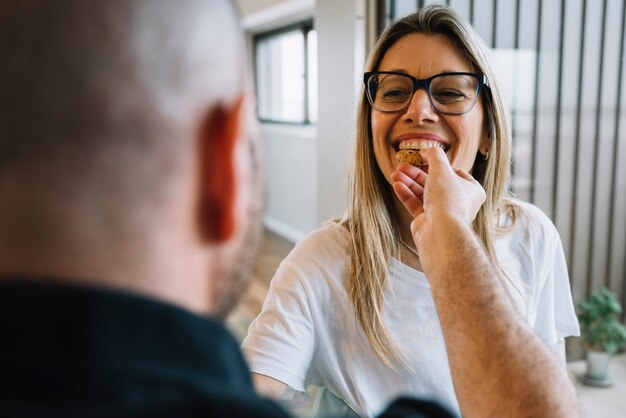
column 242, row 269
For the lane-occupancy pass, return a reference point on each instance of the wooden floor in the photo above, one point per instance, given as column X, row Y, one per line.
column 272, row 251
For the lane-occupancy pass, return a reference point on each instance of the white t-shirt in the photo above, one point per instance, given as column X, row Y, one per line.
column 308, row 334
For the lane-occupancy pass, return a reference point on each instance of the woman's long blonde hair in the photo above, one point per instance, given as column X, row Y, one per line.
column 369, row 218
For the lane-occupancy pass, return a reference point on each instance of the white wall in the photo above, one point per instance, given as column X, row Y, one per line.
column 341, row 51
column 291, row 179
column 306, row 166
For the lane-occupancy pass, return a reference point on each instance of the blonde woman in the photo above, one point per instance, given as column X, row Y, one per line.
column 351, row 308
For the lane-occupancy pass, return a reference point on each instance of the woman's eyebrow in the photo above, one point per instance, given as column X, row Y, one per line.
column 445, row 70
column 397, row 70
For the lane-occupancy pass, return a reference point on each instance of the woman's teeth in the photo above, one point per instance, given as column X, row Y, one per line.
column 409, row 151
column 420, row 144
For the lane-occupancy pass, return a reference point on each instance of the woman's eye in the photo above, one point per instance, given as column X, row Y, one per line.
column 396, row 94
column 447, row 96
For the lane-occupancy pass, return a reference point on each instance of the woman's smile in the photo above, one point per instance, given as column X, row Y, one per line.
column 420, row 125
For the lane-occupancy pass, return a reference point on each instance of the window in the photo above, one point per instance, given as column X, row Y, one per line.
column 286, row 74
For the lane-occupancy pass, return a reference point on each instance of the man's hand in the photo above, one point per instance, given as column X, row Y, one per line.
column 442, row 190
column 499, row 367
column 441, row 194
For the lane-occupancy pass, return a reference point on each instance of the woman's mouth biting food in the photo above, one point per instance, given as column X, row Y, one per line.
column 409, row 151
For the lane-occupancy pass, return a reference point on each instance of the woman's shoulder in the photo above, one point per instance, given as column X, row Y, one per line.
column 324, row 252
column 331, row 239
column 527, row 251
column 527, row 219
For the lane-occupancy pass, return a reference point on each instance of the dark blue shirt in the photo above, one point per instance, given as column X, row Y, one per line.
column 69, row 351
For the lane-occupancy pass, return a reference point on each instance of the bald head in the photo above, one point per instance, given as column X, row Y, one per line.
column 121, row 155
column 101, row 99
column 82, row 75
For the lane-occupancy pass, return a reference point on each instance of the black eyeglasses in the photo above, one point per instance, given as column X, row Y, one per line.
column 449, row 93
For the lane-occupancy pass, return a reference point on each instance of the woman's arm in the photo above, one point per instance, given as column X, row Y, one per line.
column 279, row 344
column 267, row 386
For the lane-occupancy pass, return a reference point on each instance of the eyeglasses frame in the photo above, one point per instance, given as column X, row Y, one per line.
column 425, row 83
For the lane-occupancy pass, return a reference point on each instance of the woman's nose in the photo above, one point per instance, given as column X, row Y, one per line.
column 420, row 108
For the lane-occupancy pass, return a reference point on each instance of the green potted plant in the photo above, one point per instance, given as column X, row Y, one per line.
column 602, row 334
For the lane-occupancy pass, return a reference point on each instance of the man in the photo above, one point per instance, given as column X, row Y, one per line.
column 128, row 215
column 128, row 211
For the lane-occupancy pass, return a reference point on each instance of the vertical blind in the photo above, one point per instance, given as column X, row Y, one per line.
column 561, row 64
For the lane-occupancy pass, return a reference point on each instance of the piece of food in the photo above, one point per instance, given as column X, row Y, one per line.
column 411, row 156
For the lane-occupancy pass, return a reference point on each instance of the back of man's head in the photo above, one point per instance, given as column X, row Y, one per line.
column 82, row 77
column 100, row 105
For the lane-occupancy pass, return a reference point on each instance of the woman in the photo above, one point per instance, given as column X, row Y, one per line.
column 349, row 309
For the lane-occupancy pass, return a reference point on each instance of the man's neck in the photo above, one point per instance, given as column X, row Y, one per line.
column 156, row 269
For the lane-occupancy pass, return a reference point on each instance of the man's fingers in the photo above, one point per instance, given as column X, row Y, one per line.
column 436, row 159
column 465, row 175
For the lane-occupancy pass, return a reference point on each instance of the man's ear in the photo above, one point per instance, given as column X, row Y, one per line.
column 219, row 188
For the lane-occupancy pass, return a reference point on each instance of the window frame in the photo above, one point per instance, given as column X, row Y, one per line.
column 305, row 26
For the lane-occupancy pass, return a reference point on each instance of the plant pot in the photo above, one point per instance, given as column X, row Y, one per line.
column 597, row 374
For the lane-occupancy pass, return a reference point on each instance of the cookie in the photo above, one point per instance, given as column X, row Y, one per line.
column 411, row 156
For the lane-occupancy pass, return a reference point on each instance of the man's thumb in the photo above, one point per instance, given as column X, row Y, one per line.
column 436, row 159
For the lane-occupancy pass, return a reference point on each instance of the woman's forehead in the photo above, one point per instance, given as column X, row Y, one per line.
column 424, row 55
